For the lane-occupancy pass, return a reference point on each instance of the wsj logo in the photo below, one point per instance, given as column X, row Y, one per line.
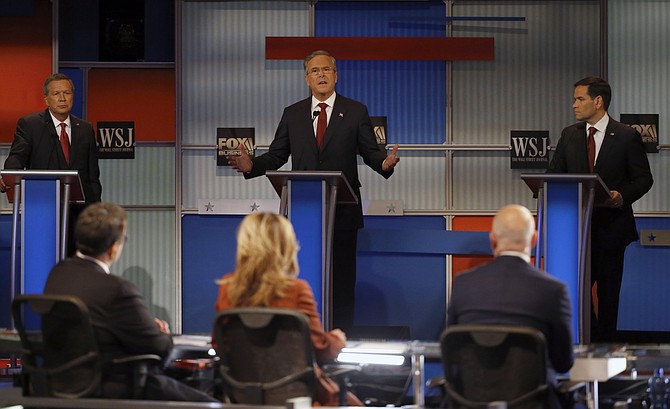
column 116, row 140
column 530, row 147
column 116, row 137
column 648, row 132
column 231, row 146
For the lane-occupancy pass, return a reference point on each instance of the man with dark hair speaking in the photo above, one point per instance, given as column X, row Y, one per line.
column 599, row 144
column 326, row 132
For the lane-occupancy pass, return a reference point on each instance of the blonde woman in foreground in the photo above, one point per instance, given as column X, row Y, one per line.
column 266, row 267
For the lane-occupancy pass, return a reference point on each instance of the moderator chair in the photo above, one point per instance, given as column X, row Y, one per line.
column 494, row 366
column 60, row 356
column 266, row 355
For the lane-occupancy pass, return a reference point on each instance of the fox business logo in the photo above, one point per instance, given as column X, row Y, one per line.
column 648, row 131
column 530, row 149
column 229, row 142
column 116, row 140
column 647, row 126
column 231, row 146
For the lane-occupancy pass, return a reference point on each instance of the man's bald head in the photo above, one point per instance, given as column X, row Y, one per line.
column 513, row 230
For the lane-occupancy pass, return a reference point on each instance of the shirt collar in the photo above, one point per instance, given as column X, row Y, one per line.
column 601, row 125
column 513, row 253
column 57, row 121
column 330, row 101
column 102, row 264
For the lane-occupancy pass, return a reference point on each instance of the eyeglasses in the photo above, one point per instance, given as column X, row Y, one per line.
column 314, row 72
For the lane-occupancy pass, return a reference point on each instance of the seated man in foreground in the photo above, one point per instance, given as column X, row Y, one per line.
column 121, row 320
column 510, row 291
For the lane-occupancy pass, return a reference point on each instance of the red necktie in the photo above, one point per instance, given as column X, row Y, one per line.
column 321, row 124
column 591, row 148
column 65, row 142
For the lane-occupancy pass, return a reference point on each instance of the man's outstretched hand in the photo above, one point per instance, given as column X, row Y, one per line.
column 391, row 160
column 241, row 163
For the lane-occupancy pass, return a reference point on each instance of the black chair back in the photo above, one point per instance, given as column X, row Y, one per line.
column 60, row 356
column 485, row 364
column 266, row 355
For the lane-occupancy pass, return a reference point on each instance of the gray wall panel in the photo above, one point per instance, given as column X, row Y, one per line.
column 147, row 180
column 527, row 87
column 485, row 182
column 226, row 80
column 148, row 261
column 419, row 181
column 639, row 52
column 529, row 84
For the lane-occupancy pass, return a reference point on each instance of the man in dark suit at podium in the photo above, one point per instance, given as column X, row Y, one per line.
column 326, row 132
column 599, row 144
column 54, row 139
column 510, row 291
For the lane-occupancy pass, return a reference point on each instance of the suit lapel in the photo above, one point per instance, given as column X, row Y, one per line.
column 50, row 130
column 581, row 153
column 336, row 120
column 608, row 141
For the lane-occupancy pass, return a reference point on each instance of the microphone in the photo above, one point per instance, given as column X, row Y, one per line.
column 315, row 114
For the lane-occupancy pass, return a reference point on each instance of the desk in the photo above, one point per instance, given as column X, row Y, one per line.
column 593, row 365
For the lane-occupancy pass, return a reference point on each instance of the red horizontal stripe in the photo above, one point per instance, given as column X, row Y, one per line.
column 382, row 48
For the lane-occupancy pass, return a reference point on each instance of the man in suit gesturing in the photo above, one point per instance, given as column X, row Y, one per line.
column 599, row 144
column 326, row 132
column 510, row 291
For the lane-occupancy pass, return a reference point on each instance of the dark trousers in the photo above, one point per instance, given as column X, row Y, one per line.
column 607, row 259
column 344, row 278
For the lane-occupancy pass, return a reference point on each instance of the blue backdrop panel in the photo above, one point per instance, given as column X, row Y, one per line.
column 77, row 77
column 208, row 252
column 562, row 243
column 386, row 86
column 644, row 290
column 41, row 233
column 5, row 267
column 306, row 214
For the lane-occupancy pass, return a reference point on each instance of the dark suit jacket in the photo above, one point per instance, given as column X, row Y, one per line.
column 509, row 291
column 349, row 133
column 122, row 321
column 622, row 164
column 36, row 146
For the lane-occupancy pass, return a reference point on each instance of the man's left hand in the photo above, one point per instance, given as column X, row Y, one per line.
column 616, row 200
column 391, row 160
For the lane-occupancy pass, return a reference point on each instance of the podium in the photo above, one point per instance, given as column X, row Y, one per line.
column 308, row 199
column 564, row 208
column 44, row 196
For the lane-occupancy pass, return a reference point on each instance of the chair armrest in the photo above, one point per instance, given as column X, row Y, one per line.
column 137, row 358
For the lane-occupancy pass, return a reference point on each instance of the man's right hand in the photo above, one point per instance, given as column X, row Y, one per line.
column 241, row 163
column 3, row 187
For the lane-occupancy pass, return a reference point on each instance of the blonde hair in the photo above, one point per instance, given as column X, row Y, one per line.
column 266, row 260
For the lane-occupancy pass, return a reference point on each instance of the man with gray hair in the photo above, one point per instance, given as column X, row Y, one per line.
column 510, row 291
